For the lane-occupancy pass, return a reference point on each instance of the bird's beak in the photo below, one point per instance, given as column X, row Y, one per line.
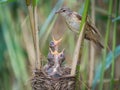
column 57, row 41
column 57, row 12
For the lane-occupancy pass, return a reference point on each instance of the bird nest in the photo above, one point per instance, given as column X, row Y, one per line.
column 54, row 75
column 41, row 81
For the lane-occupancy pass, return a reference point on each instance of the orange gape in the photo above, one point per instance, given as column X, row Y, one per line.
column 55, row 60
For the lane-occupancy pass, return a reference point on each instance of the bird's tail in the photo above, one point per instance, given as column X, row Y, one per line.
column 99, row 44
column 97, row 37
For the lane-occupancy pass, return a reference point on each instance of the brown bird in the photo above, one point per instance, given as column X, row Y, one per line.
column 73, row 20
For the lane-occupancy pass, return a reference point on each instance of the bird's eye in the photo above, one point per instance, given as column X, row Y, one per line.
column 64, row 10
column 61, row 55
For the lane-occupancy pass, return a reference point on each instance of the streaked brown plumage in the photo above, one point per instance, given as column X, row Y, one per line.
column 73, row 20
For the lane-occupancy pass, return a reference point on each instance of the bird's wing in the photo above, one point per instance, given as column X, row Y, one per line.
column 92, row 26
column 89, row 22
column 79, row 17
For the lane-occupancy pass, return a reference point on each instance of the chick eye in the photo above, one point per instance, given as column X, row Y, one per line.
column 61, row 55
column 51, row 43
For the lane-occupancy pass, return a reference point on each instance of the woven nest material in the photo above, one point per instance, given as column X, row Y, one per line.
column 41, row 81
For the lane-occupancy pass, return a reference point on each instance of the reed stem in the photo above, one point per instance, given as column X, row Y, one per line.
column 113, row 47
column 106, row 41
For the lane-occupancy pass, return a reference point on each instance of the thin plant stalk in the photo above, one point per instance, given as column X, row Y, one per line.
column 38, row 62
column 85, row 63
column 77, row 57
column 92, row 49
column 113, row 47
column 106, row 41
column 32, row 28
column 34, row 25
column 78, row 48
column 30, row 10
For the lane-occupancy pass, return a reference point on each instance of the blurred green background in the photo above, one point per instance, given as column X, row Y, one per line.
column 17, row 57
